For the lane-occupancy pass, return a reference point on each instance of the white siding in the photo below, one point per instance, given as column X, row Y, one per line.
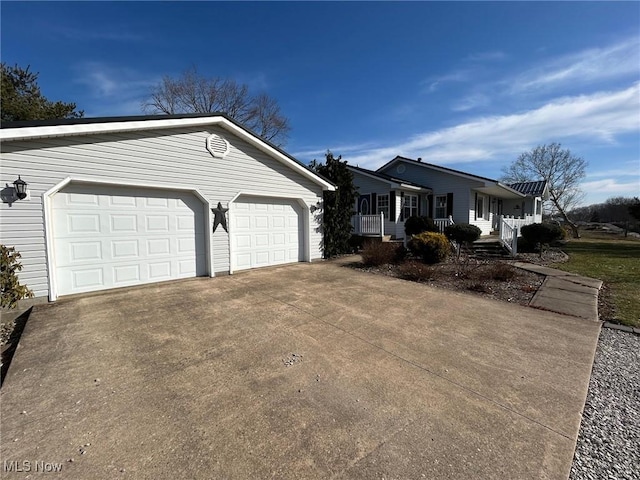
column 365, row 184
column 441, row 184
column 173, row 158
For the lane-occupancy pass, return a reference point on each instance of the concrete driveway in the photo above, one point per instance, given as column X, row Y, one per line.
column 305, row 371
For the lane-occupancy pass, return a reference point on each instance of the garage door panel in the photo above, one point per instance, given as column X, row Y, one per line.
column 121, row 201
column 82, row 223
column 123, row 224
column 266, row 231
column 108, row 237
column 158, row 246
column 125, row 249
column 86, row 279
column 124, row 275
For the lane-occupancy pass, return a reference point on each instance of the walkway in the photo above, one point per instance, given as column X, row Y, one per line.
column 564, row 292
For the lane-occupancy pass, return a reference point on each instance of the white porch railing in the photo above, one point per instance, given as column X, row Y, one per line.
column 443, row 223
column 509, row 235
column 372, row 225
column 518, row 222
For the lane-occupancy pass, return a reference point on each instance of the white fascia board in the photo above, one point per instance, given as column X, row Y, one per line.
column 404, row 186
column 268, row 149
column 29, row 133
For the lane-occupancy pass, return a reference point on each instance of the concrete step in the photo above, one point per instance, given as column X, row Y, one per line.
column 488, row 249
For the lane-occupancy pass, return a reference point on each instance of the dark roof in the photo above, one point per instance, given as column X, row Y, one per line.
column 420, row 162
column 388, row 178
column 535, row 189
column 140, row 118
column 133, row 118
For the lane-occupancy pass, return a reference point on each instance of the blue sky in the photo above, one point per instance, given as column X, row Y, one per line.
column 466, row 85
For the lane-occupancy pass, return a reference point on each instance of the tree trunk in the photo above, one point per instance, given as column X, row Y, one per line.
column 572, row 225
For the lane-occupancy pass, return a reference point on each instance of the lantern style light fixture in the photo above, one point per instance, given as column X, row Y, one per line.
column 21, row 188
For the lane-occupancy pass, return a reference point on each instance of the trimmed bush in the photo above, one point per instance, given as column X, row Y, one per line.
column 416, row 271
column 462, row 233
column 542, row 233
column 430, row 246
column 415, row 225
column 500, row 271
column 376, row 253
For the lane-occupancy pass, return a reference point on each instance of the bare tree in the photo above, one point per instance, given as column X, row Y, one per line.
column 563, row 172
column 194, row 93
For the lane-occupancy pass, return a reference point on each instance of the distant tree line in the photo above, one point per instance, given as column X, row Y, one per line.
column 623, row 212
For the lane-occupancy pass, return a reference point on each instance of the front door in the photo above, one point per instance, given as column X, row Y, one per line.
column 364, row 204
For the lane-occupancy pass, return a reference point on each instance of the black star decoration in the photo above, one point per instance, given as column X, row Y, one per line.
column 219, row 217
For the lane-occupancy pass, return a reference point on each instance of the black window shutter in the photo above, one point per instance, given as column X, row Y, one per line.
column 374, row 203
column 419, row 205
column 392, row 205
column 475, row 210
column 449, row 204
column 402, row 206
column 429, row 205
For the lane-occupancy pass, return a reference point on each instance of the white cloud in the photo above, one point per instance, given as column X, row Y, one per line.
column 318, row 153
column 598, row 117
column 492, row 56
column 470, row 102
column 113, row 90
column 106, row 81
column 612, row 185
column 432, row 84
column 587, row 66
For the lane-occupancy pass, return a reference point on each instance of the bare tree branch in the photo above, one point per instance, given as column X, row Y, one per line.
column 193, row 93
column 562, row 170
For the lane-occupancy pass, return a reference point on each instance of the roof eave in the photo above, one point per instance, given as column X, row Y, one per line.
column 79, row 129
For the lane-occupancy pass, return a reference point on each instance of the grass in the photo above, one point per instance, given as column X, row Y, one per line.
column 616, row 261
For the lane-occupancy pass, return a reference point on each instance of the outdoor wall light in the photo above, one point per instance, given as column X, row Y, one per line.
column 517, row 207
column 21, row 188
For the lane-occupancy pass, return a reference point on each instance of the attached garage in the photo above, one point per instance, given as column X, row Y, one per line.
column 117, row 202
column 110, row 236
column 266, row 232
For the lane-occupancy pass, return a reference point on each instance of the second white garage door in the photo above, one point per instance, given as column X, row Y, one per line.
column 266, row 231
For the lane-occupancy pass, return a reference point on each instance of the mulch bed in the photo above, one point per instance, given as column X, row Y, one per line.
column 493, row 278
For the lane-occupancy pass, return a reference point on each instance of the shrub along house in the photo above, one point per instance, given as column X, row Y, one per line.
column 115, row 202
column 405, row 187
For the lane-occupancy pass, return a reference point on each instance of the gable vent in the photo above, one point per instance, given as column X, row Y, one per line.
column 217, row 146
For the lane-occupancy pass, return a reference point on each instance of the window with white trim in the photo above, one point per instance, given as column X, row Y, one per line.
column 481, row 208
column 383, row 205
column 441, row 206
column 538, row 206
column 410, row 206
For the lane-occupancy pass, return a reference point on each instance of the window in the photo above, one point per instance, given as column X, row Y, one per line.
column 383, row 205
column 538, row 206
column 480, row 208
column 410, row 206
column 441, row 206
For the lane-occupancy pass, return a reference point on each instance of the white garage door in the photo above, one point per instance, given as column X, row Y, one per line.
column 266, row 231
column 107, row 237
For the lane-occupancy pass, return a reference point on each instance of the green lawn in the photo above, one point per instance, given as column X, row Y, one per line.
column 614, row 260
